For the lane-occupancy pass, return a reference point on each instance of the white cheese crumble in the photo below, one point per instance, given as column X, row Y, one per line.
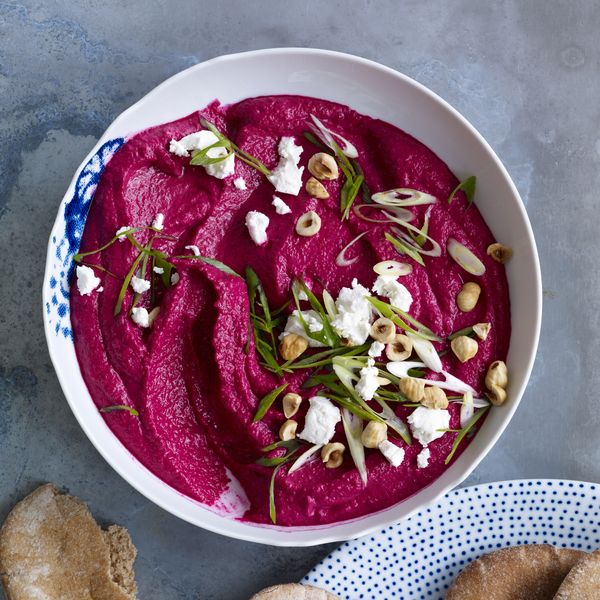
column 194, row 249
column 140, row 316
column 139, row 285
column 423, row 458
column 286, row 176
column 353, row 320
column 320, row 421
column 158, row 270
column 425, row 424
column 199, row 141
column 119, row 233
column 281, row 208
column 312, row 320
column 369, row 380
column 174, row 278
column 240, row 184
column 159, row 222
column 257, row 224
column 393, row 453
column 87, row 282
column 376, row 349
column 398, row 295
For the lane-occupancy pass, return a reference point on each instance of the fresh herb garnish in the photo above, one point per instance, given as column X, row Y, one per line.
column 464, row 431
column 468, row 187
column 326, row 336
column 466, row 331
column 118, row 407
column 202, row 157
column 267, row 401
column 213, row 262
column 404, row 249
column 126, row 283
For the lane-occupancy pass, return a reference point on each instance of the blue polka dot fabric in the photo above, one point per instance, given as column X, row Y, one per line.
column 419, row 558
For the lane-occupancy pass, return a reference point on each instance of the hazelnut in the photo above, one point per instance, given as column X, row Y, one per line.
column 464, row 347
column 497, row 374
column 468, row 296
column 292, row 346
column 412, row 389
column 308, row 224
column 400, row 348
column 434, row 397
column 497, row 395
column 288, row 430
column 316, row 189
column 383, row 330
column 332, row 454
column 482, row 330
column 500, row 253
column 323, row 166
column 291, row 404
column 373, row 434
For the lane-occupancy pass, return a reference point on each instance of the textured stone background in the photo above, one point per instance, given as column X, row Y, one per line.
column 526, row 74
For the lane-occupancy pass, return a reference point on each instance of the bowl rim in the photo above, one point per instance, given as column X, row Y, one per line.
column 330, row 532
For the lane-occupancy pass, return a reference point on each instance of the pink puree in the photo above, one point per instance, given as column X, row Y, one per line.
column 189, row 377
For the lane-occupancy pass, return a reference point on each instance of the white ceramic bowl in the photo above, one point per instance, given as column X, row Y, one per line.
column 369, row 88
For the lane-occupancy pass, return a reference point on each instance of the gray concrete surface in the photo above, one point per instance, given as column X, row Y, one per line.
column 526, row 74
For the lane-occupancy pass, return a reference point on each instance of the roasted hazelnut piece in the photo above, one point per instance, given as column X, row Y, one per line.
column 308, row 224
column 316, row 189
column 496, row 381
column 292, row 346
column 482, row 330
column 332, row 454
column 288, row 430
column 291, row 404
column 323, row 166
column 412, row 389
column 400, row 348
column 468, row 296
column 464, row 347
column 434, row 397
column 383, row 330
column 373, row 434
column 499, row 252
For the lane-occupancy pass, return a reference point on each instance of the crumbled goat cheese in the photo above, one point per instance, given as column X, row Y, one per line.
column 257, row 224
column 158, row 270
column 174, row 278
column 312, row 320
column 159, row 222
column 376, row 349
column 286, row 176
column 240, row 184
column 199, row 141
column 87, row 282
column 140, row 317
column 398, row 295
column 393, row 453
column 423, row 458
column 281, row 208
column 369, row 380
column 425, row 424
column 194, row 249
column 121, row 231
column 139, row 285
column 320, row 421
column 353, row 321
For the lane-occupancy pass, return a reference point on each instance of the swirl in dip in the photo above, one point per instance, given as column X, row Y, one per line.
column 194, row 375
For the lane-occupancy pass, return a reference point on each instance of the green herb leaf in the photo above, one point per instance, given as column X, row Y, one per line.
column 118, row 407
column 287, row 444
column 464, row 431
column 465, row 331
column 404, row 249
column 267, row 402
column 213, row 262
column 313, row 140
column 126, row 283
column 468, row 187
column 265, row 461
column 272, row 510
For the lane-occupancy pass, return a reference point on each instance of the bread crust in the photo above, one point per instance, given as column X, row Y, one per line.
column 532, row 572
column 52, row 548
column 294, row 591
column 583, row 580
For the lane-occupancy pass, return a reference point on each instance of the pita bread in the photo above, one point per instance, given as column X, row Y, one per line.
column 532, row 572
column 293, row 591
column 52, row 549
column 583, row 580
